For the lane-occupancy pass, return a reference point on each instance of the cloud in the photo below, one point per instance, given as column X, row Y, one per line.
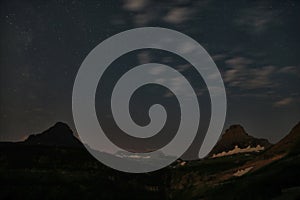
column 144, row 12
column 289, row 70
column 135, row 5
column 156, row 70
column 244, row 76
column 183, row 68
column 257, row 19
column 143, row 19
column 284, row 102
column 238, row 61
column 219, row 57
column 144, row 57
column 177, row 15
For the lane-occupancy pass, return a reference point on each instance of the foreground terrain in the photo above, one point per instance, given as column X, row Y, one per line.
column 37, row 169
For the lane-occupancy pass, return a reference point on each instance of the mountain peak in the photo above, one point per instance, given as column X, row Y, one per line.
column 235, row 137
column 60, row 134
column 236, row 126
column 235, row 130
column 61, row 124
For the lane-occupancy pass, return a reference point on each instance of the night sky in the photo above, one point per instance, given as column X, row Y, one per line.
column 255, row 44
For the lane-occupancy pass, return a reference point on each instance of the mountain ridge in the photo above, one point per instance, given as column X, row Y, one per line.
column 60, row 134
column 290, row 144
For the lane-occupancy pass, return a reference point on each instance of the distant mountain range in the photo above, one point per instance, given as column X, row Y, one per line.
column 234, row 140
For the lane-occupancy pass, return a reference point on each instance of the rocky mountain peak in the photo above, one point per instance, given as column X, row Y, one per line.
column 60, row 134
column 235, row 137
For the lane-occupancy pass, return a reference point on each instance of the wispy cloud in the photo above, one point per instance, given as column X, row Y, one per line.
column 238, row 61
column 178, row 15
column 135, row 5
column 219, row 57
column 172, row 12
column 144, row 12
column 144, row 57
column 257, row 19
column 284, row 102
column 290, row 70
column 245, row 73
column 156, row 70
column 242, row 75
column 183, row 68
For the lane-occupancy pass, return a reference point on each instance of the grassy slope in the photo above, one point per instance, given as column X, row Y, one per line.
column 266, row 183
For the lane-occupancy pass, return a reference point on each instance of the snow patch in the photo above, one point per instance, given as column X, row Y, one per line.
column 241, row 172
column 237, row 150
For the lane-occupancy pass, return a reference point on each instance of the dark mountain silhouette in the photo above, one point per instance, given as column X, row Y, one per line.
column 58, row 135
column 290, row 144
column 236, row 136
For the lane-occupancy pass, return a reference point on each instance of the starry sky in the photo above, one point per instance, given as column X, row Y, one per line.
column 255, row 45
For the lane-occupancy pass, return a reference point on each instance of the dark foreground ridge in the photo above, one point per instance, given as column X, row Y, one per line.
column 50, row 165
